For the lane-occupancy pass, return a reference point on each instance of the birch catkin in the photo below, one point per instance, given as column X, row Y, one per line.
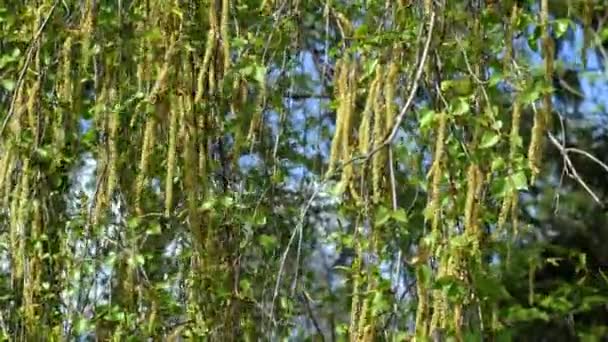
column 340, row 95
column 542, row 117
column 171, row 161
column 381, row 127
column 437, row 173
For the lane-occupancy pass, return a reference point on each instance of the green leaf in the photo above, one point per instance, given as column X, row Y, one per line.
column 382, row 216
column 560, row 26
column 461, row 107
column 379, row 303
column 446, row 85
column 520, row 314
column 260, row 74
column 133, row 222
column 338, row 189
column 520, row 181
column 427, row 116
column 531, row 94
column 268, row 242
column 498, row 164
column 424, row 274
column 369, row 67
column 400, row 215
column 496, row 78
column 489, row 139
column 461, row 241
column 154, row 229
column 259, row 220
column 8, row 84
column 208, row 204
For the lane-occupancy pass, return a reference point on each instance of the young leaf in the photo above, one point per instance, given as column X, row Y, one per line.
column 489, row 139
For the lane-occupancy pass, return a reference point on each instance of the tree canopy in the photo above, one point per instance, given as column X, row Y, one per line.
column 303, row 170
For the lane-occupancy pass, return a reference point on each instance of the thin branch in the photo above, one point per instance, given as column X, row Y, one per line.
column 572, row 170
column 588, row 155
column 296, row 230
column 570, row 88
column 315, row 322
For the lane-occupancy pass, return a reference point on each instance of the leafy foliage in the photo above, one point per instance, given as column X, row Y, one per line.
column 260, row 169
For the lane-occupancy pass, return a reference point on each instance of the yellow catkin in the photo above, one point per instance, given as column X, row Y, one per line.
column 161, row 79
column 65, row 90
column 346, row 154
column 440, row 309
column 474, row 183
column 389, row 93
column 505, row 208
column 113, row 154
column 367, row 116
column 542, row 117
column 191, row 185
column 171, row 161
column 32, row 277
column 470, row 197
column 380, row 129
column 141, row 70
column 213, row 36
column 514, row 138
column 15, row 239
column 19, row 213
column 5, row 182
column 534, row 149
column 212, row 82
column 6, row 161
column 437, row 173
column 256, row 121
column 514, row 141
column 340, row 90
column 435, row 210
column 150, row 127
column 86, row 34
column 33, row 92
column 14, row 125
column 31, row 107
column 349, row 102
column 548, row 52
column 100, row 196
column 367, row 320
column 510, row 28
column 422, row 311
column 225, row 34
column 514, row 215
column 456, row 269
column 355, row 311
column 144, row 162
column 101, row 123
column 204, row 66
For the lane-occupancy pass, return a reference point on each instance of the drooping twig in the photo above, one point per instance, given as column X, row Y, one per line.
column 297, row 229
column 570, row 167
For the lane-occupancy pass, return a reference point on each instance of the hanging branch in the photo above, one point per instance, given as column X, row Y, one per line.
column 26, row 64
column 399, row 119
